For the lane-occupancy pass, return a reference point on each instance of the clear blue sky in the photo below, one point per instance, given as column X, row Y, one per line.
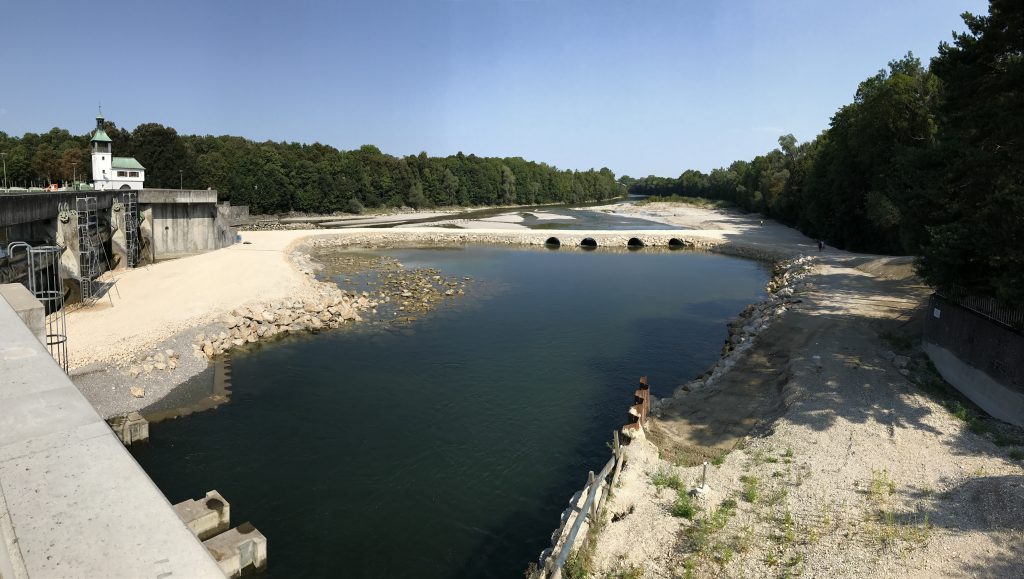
column 640, row 87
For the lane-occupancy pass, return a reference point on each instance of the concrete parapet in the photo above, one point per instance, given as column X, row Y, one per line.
column 238, row 550
column 177, row 195
column 27, row 307
column 206, row 517
column 73, row 503
column 130, row 428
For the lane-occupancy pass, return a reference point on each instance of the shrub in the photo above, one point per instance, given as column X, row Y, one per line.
column 684, row 506
column 662, row 479
column 354, row 206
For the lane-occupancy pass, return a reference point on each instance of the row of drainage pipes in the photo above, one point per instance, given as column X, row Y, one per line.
column 633, row 243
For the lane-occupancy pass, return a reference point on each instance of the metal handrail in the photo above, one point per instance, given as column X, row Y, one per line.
column 987, row 307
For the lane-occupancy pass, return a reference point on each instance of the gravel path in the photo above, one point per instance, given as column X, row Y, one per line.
column 849, row 469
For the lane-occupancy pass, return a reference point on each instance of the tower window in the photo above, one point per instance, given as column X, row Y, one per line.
column 122, row 173
column 133, row 173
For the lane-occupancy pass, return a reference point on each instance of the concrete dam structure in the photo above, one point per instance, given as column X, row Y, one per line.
column 73, row 502
column 101, row 230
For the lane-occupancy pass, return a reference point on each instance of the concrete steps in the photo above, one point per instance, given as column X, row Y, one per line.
column 237, row 551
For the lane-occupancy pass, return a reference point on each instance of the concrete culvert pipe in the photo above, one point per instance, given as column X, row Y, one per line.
column 553, row 243
column 589, row 243
column 676, row 243
column 634, row 243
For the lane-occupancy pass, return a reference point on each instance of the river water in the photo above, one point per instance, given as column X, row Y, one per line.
column 448, row 447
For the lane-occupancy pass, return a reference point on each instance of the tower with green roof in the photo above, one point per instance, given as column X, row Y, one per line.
column 109, row 172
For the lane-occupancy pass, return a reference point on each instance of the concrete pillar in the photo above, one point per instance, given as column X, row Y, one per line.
column 206, row 517
column 27, row 307
column 238, row 550
column 130, row 428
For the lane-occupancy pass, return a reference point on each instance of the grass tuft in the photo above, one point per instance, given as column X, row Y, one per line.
column 751, row 488
column 663, row 478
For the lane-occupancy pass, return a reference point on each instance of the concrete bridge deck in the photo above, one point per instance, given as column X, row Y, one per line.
column 73, row 502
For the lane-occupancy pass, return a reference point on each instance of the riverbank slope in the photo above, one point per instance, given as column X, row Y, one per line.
column 849, row 468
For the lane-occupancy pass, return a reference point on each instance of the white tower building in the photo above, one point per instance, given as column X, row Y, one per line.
column 109, row 172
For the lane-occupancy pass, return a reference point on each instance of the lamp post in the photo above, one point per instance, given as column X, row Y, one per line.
column 180, row 179
column 74, row 178
column 4, row 157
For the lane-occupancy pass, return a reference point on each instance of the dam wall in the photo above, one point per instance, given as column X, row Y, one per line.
column 171, row 223
column 73, row 502
column 186, row 222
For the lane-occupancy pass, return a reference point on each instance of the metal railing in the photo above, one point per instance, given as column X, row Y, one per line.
column 46, row 285
column 990, row 308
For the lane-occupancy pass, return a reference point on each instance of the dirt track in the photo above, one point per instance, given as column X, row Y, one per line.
column 851, row 469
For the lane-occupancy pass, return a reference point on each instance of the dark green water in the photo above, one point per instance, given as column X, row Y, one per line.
column 449, row 448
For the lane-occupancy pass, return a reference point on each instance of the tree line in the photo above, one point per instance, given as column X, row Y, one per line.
column 924, row 161
column 274, row 177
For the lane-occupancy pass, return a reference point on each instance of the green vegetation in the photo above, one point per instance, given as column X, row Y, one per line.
column 751, row 488
column 702, row 541
column 279, row 177
column 898, row 342
column 925, row 161
column 684, row 506
column 663, row 478
column 580, row 562
column 978, row 422
column 627, row 571
column 881, row 486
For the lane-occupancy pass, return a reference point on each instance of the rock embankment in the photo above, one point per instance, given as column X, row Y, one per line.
column 247, row 325
column 270, row 225
column 160, row 360
column 786, row 281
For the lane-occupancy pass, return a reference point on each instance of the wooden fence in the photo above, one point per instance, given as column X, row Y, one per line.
column 594, row 494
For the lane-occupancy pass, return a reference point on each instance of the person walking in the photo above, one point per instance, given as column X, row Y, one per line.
column 821, row 245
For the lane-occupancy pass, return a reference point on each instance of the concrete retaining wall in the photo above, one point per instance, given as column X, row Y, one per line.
column 27, row 307
column 186, row 222
column 183, row 229
column 73, row 502
column 982, row 359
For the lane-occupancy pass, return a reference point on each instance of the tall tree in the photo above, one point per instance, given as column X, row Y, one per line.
column 975, row 178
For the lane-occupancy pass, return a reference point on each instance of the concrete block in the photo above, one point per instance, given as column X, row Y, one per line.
column 130, row 428
column 240, row 549
column 27, row 307
column 206, row 517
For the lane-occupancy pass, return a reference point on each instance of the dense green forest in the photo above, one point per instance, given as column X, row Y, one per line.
column 924, row 161
column 279, row 177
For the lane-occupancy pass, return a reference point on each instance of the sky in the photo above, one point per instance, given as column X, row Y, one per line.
column 640, row 87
